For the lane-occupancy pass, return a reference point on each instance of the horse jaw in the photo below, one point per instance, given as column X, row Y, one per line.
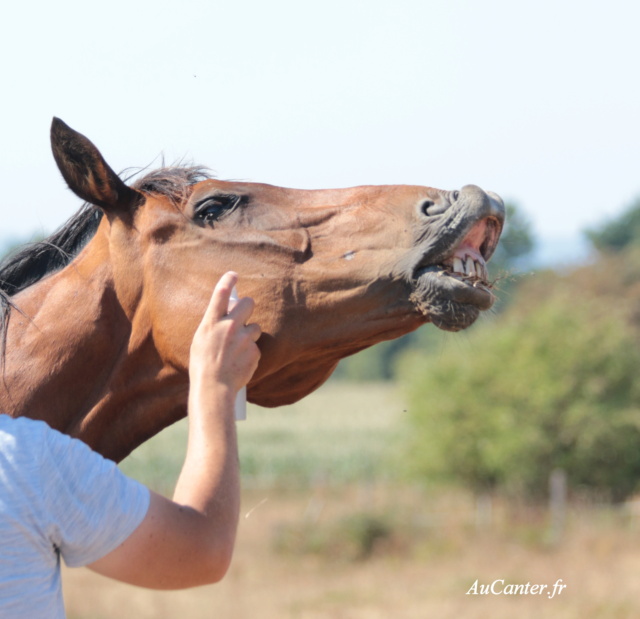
column 302, row 348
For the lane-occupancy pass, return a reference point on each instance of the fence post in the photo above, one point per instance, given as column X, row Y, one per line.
column 484, row 511
column 557, row 504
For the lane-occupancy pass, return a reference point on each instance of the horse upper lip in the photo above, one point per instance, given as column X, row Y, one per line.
column 482, row 238
column 469, row 254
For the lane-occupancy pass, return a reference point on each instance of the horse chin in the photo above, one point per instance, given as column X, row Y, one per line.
column 450, row 302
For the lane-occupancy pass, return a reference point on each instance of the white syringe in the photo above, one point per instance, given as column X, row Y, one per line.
column 241, row 398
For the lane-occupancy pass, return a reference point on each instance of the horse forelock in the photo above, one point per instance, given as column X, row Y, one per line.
column 173, row 182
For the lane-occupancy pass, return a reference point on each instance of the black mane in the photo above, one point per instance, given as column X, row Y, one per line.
column 34, row 261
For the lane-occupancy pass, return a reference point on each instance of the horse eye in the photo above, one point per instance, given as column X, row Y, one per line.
column 214, row 207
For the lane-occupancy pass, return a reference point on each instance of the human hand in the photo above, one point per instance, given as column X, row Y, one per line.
column 224, row 350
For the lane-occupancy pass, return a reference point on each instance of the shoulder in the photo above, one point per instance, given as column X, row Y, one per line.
column 85, row 506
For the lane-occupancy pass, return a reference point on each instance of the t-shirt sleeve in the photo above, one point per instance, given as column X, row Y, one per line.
column 92, row 506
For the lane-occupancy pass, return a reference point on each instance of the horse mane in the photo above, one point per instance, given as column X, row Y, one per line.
column 34, row 261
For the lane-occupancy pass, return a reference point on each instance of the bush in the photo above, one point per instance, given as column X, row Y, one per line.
column 552, row 386
column 356, row 537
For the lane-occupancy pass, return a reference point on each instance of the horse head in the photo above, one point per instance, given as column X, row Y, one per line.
column 332, row 271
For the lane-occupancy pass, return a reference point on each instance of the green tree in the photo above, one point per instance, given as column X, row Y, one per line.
column 552, row 386
column 620, row 233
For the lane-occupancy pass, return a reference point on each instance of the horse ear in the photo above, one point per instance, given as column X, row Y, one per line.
column 87, row 173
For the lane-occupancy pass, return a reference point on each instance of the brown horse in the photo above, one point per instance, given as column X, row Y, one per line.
column 99, row 318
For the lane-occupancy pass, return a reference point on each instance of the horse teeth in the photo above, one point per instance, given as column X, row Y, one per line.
column 470, row 269
column 458, row 267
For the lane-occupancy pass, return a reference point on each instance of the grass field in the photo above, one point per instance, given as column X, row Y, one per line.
column 329, row 529
column 340, row 433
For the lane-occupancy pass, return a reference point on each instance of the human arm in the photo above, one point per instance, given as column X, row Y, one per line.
column 189, row 540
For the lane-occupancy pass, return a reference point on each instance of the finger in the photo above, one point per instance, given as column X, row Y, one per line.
column 242, row 310
column 254, row 331
column 219, row 302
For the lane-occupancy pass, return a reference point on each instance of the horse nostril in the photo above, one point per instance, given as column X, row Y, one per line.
column 426, row 206
column 455, row 195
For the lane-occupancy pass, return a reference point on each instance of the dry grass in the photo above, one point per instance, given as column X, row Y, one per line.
column 598, row 560
column 423, row 568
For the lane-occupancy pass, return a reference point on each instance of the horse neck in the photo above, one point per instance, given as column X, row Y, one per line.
column 81, row 361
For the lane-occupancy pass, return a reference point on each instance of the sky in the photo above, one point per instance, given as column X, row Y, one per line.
column 537, row 101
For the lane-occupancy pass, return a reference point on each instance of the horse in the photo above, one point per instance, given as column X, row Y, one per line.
column 98, row 318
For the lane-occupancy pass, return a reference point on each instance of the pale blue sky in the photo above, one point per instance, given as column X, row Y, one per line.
column 538, row 101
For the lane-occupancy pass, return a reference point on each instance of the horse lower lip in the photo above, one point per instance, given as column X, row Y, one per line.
column 462, row 288
column 474, row 291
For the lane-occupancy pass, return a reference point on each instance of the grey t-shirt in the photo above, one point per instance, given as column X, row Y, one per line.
column 58, row 498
